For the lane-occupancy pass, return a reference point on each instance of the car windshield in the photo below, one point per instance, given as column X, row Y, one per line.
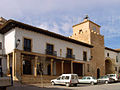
column 94, row 78
column 104, row 77
column 58, row 78
column 84, row 78
column 88, row 78
column 112, row 75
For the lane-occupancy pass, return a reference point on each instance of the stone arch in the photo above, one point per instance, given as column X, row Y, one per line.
column 108, row 66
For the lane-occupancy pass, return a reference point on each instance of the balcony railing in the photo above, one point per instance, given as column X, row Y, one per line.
column 50, row 52
column 70, row 56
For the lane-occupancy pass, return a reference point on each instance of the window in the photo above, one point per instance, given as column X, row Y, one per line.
column 116, row 58
column 63, row 77
column 69, row 51
column 27, row 45
column 49, row 49
column 58, row 78
column 0, row 45
column 107, row 54
column 80, row 31
column 88, row 67
column 84, row 56
column 67, row 77
column 0, row 62
column 88, row 78
column 60, row 52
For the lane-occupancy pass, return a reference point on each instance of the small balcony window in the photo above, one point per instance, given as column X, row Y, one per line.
column 50, row 50
column 69, row 53
column 27, row 45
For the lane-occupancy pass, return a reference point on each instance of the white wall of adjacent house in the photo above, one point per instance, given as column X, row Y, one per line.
column 39, row 42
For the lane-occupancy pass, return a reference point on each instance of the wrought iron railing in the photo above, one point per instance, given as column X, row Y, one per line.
column 51, row 52
column 70, row 56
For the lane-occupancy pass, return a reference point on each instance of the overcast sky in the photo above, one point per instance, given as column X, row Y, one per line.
column 60, row 15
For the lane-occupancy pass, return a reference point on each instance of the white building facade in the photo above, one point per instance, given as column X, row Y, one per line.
column 33, row 51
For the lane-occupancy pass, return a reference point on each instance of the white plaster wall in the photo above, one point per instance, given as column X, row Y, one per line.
column 39, row 44
column 9, row 40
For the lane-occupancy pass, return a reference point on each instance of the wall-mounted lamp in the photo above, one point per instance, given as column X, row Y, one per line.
column 17, row 42
column 91, row 58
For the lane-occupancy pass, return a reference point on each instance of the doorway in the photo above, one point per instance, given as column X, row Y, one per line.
column 49, row 69
column 98, row 73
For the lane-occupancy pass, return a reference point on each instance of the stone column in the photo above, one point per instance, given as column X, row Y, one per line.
column 35, row 66
column 71, row 66
column 22, row 58
column 17, row 65
column 51, row 67
column 8, row 64
column 62, row 65
column 13, row 64
column 83, row 69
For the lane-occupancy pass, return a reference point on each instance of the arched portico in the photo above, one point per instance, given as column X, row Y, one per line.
column 108, row 66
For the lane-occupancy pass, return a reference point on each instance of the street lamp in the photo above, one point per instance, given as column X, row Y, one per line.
column 17, row 42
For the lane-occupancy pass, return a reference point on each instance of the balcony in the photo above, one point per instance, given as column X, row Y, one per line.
column 50, row 52
column 70, row 56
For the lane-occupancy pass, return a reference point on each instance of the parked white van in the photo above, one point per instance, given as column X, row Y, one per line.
column 66, row 79
column 113, row 76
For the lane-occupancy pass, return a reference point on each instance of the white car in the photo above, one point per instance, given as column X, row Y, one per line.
column 105, row 79
column 88, row 79
column 114, row 76
column 66, row 79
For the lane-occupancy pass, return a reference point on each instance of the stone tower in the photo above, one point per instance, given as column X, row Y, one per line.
column 89, row 32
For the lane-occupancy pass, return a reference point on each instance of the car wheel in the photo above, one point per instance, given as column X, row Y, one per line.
column 53, row 83
column 75, row 84
column 106, row 82
column 92, row 83
column 67, row 84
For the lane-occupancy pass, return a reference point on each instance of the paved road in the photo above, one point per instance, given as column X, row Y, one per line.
column 113, row 86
